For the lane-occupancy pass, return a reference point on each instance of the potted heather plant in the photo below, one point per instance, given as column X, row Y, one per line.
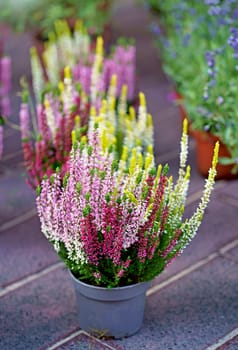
column 46, row 132
column 200, row 55
column 117, row 224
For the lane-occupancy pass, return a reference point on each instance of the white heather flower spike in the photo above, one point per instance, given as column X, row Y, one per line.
column 50, row 117
column 37, row 74
column 67, row 93
column 51, row 59
column 184, row 145
column 190, row 227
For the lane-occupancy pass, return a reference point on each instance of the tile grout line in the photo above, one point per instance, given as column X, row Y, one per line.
column 228, row 246
column 11, row 155
column 223, row 340
column 74, row 335
column 22, row 282
column 18, row 220
column 192, row 268
column 181, row 274
column 65, row 340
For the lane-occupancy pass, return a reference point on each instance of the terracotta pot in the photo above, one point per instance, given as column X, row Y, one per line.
column 205, row 143
column 183, row 113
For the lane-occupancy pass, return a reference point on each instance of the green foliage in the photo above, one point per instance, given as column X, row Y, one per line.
column 189, row 31
column 41, row 14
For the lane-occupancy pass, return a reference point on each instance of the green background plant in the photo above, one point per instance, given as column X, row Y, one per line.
column 41, row 14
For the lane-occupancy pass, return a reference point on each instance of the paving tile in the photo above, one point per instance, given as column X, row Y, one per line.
column 12, row 161
column 233, row 254
column 85, row 342
column 23, row 251
column 38, row 314
column 229, row 193
column 11, row 143
column 192, row 313
column 16, row 196
column 217, row 229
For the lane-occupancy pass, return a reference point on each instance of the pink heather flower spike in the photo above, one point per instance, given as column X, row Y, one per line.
column 5, row 86
column 1, row 141
column 24, row 121
column 5, row 69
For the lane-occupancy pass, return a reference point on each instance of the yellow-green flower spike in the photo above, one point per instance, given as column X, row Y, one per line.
column 33, row 51
column 61, row 86
column 79, row 26
column 185, row 126
column 84, row 139
column 188, row 171
column 215, row 155
column 47, row 104
column 140, row 160
column 150, row 149
column 113, row 81
column 99, row 46
column 124, row 90
column 132, row 166
column 142, row 99
column 93, row 112
column 73, row 137
column 77, row 121
column 148, row 210
column 103, row 107
column 124, row 155
column 52, row 37
column 112, row 104
column 138, row 141
column 148, row 160
column 67, row 72
column 131, row 197
column 159, row 169
column 104, row 141
column 132, row 113
column 45, row 56
column 149, row 120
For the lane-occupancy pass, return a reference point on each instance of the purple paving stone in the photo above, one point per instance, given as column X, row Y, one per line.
column 229, row 192
column 23, row 251
column 11, row 143
column 17, row 197
column 214, row 233
column 233, row 254
column 38, row 314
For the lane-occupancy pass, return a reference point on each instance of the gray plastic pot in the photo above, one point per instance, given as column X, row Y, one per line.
column 115, row 312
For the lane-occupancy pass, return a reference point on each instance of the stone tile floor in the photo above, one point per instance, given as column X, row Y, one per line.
column 193, row 305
